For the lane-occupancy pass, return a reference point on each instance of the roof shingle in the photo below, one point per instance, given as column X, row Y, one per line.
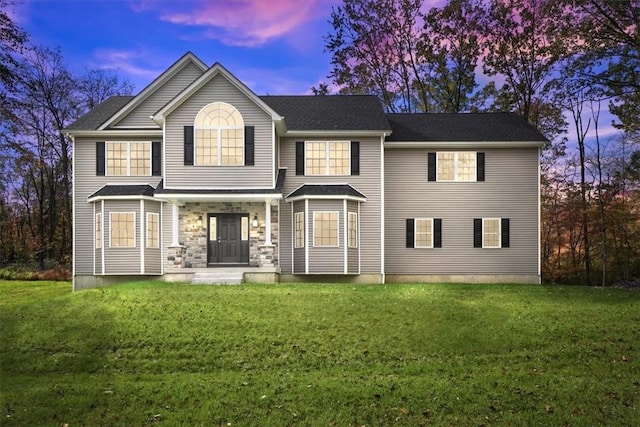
column 100, row 114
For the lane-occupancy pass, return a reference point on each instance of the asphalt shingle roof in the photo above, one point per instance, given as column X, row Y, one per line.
column 462, row 127
column 100, row 114
column 340, row 190
column 330, row 112
column 278, row 188
column 124, row 190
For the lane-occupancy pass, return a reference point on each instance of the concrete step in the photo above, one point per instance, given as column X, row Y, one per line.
column 219, row 278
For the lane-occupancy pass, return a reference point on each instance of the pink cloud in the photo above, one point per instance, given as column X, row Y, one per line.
column 247, row 22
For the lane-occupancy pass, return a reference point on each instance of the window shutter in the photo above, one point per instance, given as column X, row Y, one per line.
column 505, row 232
column 477, row 232
column 156, row 158
column 299, row 157
column 355, row 158
column 431, row 166
column 479, row 166
column 410, row 238
column 437, row 233
column 100, row 158
column 188, row 145
column 249, row 146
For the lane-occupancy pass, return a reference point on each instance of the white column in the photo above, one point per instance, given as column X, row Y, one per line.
column 267, row 224
column 175, row 225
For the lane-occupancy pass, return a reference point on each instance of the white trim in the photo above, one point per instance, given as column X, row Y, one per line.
column 415, row 233
column 337, row 245
column 448, row 145
column 163, row 161
column 267, row 222
column 95, row 220
column 73, row 209
column 359, row 251
column 128, row 144
column 346, row 254
column 161, row 238
column 101, row 198
column 295, row 228
column 334, row 133
column 382, row 215
column 539, row 222
column 248, row 197
column 357, row 231
column 499, row 233
column 306, row 236
column 146, row 243
column 142, row 235
column 111, row 228
column 327, row 197
column 102, row 255
column 293, row 242
column 131, row 133
column 327, row 157
column 175, row 225
column 274, row 167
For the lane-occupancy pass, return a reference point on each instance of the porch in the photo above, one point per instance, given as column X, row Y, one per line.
column 224, row 275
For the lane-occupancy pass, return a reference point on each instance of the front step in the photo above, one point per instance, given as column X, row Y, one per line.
column 217, row 278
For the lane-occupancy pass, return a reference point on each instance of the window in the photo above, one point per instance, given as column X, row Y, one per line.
column 456, row 166
column 98, row 231
column 213, row 228
column 327, row 158
column 244, row 228
column 153, row 230
column 325, row 229
column 122, row 229
column 352, row 230
column 128, row 158
column 491, row 232
column 423, row 233
column 299, row 230
column 219, row 135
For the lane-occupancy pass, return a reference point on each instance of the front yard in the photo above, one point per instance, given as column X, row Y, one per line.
column 168, row 354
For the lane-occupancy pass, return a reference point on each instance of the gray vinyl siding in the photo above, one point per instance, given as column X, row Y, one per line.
column 298, row 253
column 352, row 253
column 122, row 260
column 510, row 190
column 368, row 182
column 140, row 116
column 152, row 256
column 86, row 183
column 180, row 176
column 326, row 260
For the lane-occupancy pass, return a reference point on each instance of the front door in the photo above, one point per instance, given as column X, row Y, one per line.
column 228, row 239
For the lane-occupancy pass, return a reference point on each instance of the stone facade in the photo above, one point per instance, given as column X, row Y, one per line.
column 192, row 252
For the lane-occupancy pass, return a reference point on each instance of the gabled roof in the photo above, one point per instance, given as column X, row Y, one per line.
column 162, row 192
column 330, row 112
column 100, row 114
column 462, row 127
column 186, row 59
column 326, row 191
column 215, row 70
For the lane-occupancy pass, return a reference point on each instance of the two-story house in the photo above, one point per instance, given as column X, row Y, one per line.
column 197, row 172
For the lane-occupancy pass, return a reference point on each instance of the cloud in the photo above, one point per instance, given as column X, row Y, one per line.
column 247, row 23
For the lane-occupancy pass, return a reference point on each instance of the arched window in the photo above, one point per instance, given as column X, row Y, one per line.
column 219, row 135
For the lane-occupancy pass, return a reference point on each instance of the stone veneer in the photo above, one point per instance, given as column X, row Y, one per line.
column 192, row 252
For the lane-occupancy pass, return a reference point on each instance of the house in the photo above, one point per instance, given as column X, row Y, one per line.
column 198, row 172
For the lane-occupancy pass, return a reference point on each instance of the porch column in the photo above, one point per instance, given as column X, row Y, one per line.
column 175, row 225
column 267, row 225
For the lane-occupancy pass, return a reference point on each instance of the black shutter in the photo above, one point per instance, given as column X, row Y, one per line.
column 156, row 158
column 355, row 158
column 477, row 232
column 431, row 166
column 249, row 146
column 505, row 232
column 100, row 158
column 480, row 166
column 410, row 238
column 188, row 145
column 437, row 233
column 299, row 157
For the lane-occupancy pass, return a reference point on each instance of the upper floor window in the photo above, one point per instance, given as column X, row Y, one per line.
column 456, row 166
column 219, row 135
column 128, row 158
column 327, row 158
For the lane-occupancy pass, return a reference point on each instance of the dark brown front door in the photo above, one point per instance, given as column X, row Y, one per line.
column 228, row 241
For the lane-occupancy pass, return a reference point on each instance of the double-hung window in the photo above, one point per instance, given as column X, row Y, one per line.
column 327, row 158
column 122, row 229
column 299, row 230
column 325, row 229
column 456, row 166
column 98, row 228
column 424, row 233
column 491, row 232
column 219, row 135
column 352, row 230
column 153, row 230
column 128, row 158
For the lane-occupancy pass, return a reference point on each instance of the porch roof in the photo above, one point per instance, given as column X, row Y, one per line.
column 326, row 191
column 122, row 191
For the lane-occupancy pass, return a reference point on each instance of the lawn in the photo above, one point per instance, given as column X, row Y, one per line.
column 167, row 354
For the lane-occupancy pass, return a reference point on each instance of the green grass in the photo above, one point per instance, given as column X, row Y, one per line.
column 165, row 354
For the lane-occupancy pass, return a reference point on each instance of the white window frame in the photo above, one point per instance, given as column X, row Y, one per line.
column 196, row 127
column 111, row 229
column 327, row 157
column 156, row 235
column 484, row 245
column 298, row 234
column 415, row 233
column 352, row 226
column 474, row 178
column 337, row 245
column 128, row 143
column 98, row 231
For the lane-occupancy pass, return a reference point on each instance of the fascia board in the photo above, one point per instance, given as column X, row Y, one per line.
column 462, row 144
